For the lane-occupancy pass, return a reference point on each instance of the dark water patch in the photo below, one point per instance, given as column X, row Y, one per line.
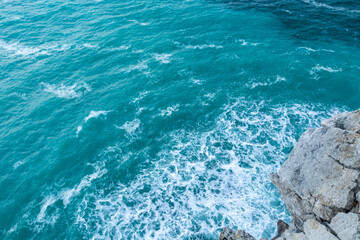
column 327, row 21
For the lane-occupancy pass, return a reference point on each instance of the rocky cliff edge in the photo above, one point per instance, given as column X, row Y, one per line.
column 319, row 183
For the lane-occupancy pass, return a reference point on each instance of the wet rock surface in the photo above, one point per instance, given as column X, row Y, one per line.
column 319, row 182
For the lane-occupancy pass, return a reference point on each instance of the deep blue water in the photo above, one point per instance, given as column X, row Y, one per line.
column 162, row 119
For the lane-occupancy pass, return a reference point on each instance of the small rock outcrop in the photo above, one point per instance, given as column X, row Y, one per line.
column 320, row 182
column 229, row 234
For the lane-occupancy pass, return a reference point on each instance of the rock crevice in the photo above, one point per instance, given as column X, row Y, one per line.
column 319, row 183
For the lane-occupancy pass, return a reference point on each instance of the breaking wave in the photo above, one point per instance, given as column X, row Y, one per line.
column 200, row 182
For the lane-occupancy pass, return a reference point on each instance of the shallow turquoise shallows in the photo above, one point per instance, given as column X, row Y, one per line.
column 162, row 119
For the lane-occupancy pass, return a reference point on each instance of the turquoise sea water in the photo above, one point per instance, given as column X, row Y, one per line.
column 162, row 119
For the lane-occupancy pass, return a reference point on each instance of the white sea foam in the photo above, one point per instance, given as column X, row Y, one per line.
column 137, row 51
column 196, row 81
column 20, row 95
column 203, row 46
column 141, row 96
column 17, row 164
column 279, row 79
column 48, row 201
column 66, row 195
column 200, row 182
column 140, row 23
column 12, row 229
column 130, row 127
column 269, row 82
column 308, row 50
column 92, row 114
column 319, row 68
column 337, row 9
column 168, row 111
column 206, row 99
column 140, row 66
column 95, row 114
column 90, row 45
column 67, row 92
column 57, row 47
column 78, row 130
column 139, row 111
column 244, row 43
column 14, row 18
column 19, row 49
column 163, row 58
column 210, row 96
column 120, row 48
column 189, row 75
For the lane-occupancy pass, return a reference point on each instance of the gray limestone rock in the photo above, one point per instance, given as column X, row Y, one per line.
column 346, row 226
column 229, row 234
column 320, row 176
column 349, row 121
column 294, row 236
column 316, row 231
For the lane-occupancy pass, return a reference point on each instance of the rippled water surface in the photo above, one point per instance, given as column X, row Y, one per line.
column 162, row 119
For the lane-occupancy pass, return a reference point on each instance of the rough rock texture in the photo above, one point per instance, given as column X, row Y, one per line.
column 229, row 234
column 319, row 182
column 316, row 231
column 281, row 228
column 346, row 225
